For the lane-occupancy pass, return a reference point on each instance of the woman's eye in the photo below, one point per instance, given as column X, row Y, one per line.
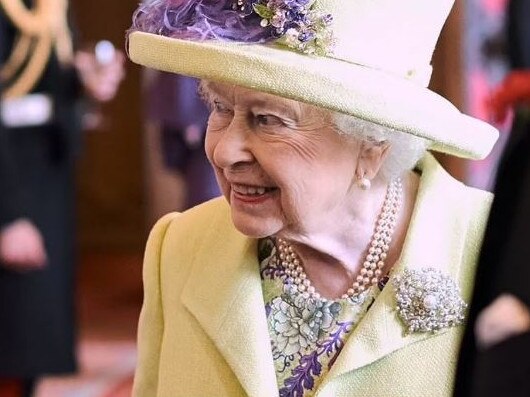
column 268, row 120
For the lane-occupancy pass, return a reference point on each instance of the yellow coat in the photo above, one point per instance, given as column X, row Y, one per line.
column 203, row 330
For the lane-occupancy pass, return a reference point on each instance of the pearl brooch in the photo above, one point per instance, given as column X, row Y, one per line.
column 428, row 300
column 371, row 269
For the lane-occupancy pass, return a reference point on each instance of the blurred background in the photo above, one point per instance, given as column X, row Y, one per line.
column 141, row 161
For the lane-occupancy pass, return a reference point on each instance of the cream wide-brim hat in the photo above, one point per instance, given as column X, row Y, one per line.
column 378, row 72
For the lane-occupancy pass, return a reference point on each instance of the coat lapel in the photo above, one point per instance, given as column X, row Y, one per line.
column 432, row 241
column 224, row 293
column 224, row 290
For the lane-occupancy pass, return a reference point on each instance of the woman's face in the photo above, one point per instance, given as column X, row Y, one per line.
column 280, row 163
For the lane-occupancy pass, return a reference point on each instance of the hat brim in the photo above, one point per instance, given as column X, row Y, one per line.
column 348, row 88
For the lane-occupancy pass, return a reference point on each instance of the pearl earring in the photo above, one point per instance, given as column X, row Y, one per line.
column 364, row 183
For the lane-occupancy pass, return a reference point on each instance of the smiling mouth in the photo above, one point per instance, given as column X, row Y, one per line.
column 251, row 191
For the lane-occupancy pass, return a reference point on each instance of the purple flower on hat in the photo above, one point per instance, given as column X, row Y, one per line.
column 278, row 20
column 247, row 21
column 314, row 35
column 201, row 20
column 304, row 37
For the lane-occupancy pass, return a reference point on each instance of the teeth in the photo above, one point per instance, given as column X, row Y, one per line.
column 249, row 190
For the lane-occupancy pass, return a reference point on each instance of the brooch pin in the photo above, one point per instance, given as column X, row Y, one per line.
column 428, row 300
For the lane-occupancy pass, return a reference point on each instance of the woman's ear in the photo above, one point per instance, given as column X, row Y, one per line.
column 371, row 157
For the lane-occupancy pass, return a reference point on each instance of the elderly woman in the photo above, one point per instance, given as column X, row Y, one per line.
column 340, row 258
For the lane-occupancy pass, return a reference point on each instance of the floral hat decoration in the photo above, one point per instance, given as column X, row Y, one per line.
column 367, row 58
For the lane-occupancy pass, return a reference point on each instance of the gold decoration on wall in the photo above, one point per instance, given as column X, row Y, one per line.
column 41, row 30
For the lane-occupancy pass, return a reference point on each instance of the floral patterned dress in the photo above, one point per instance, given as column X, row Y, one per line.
column 306, row 334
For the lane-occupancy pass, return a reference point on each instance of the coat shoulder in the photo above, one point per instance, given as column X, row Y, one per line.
column 471, row 202
column 193, row 224
column 459, row 213
column 184, row 233
column 457, row 198
column 193, row 221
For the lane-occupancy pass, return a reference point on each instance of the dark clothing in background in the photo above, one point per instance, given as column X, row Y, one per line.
column 504, row 265
column 518, row 28
column 190, row 161
column 37, row 183
column 9, row 191
column 175, row 105
column 173, row 101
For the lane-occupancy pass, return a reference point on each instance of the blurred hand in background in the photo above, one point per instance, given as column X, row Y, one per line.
column 101, row 80
column 22, row 246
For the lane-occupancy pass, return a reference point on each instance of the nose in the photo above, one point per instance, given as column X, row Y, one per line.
column 232, row 148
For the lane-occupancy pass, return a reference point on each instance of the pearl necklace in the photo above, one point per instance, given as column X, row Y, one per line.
column 371, row 270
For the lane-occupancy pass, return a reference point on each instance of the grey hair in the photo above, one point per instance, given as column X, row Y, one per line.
column 405, row 149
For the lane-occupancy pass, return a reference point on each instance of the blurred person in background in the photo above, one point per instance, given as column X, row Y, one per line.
column 179, row 118
column 43, row 80
column 494, row 356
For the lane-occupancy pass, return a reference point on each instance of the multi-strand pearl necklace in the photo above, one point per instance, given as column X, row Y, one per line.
column 372, row 267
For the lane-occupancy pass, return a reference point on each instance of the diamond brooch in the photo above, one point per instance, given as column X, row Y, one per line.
column 428, row 300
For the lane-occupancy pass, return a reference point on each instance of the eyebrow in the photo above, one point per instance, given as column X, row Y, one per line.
column 252, row 103
column 282, row 108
